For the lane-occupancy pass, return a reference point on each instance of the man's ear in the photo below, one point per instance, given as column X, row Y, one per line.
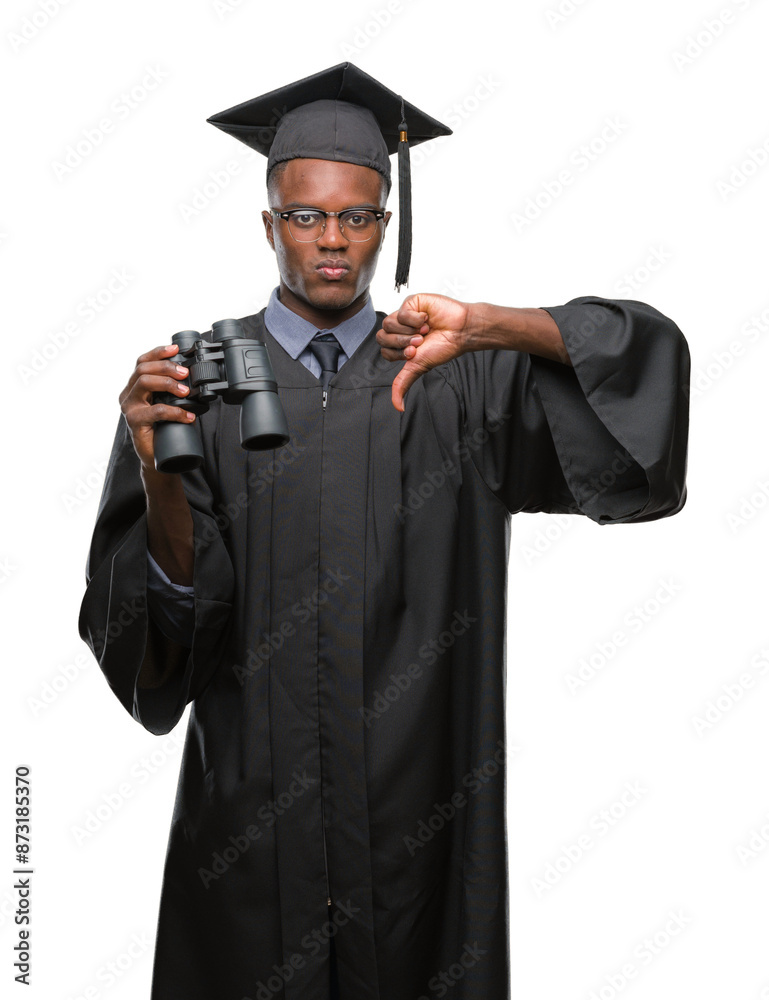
column 388, row 216
column 267, row 220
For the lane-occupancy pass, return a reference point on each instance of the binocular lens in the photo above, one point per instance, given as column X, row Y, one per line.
column 262, row 422
column 178, row 447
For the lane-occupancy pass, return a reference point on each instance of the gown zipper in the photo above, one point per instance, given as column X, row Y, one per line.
column 325, row 856
column 322, row 810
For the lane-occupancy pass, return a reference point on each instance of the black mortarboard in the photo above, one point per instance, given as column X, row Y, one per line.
column 343, row 114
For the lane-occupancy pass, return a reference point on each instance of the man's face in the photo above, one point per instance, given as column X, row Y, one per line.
column 332, row 187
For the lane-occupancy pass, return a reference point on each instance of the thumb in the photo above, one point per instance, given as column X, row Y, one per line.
column 405, row 378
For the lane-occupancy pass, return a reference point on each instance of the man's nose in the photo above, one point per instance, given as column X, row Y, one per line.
column 333, row 235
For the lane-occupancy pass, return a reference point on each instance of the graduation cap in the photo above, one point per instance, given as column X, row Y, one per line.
column 342, row 114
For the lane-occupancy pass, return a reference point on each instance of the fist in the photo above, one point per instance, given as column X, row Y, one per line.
column 155, row 371
column 426, row 331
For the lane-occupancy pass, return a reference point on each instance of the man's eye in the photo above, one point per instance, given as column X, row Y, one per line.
column 305, row 220
column 358, row 220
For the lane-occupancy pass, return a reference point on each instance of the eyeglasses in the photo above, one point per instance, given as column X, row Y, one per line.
column 306, row 225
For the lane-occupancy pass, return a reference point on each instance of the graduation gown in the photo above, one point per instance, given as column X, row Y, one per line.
column 346, row 737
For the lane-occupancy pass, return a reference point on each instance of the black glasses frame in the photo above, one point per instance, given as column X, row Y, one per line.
column 319, row 211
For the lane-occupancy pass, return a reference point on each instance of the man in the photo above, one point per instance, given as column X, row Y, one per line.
column 334, row 610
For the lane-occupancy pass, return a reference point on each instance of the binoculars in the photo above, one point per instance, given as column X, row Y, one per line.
column 235, row 368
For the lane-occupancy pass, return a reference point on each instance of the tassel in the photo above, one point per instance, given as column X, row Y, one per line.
column 404, row 205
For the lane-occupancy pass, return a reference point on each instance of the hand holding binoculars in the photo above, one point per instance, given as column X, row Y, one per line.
column 235, row 368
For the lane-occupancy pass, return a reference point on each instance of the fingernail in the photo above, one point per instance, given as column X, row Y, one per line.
column 181, row 370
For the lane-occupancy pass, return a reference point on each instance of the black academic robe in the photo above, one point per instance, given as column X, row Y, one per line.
column 346, row 737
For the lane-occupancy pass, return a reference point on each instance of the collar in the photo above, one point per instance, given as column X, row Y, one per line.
column 295, row 333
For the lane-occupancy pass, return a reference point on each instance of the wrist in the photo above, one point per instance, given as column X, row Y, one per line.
column 159, row 485
column 476, row 326
column 151, row 478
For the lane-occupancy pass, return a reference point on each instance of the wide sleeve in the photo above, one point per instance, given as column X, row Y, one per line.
column 153, row 678
column 171, row 605
column 605, row 437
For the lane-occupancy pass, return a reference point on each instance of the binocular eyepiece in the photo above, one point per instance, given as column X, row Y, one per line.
column 235, row 368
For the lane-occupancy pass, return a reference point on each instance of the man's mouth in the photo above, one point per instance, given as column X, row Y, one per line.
column 333, row 269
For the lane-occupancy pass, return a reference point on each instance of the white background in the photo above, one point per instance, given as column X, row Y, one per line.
column 522, row 90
